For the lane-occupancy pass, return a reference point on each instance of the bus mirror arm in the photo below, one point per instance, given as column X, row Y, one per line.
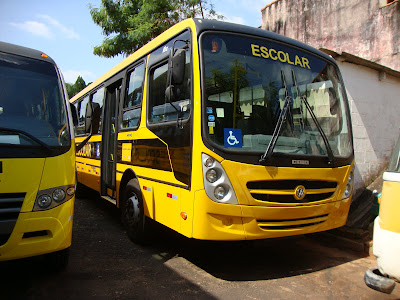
column 83, row 143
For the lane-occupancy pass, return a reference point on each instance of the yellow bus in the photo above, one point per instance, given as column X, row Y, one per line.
column 37, row 157
column 221, row 132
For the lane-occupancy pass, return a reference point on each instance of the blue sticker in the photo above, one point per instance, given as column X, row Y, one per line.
column 209, row 110
column 98, row 150
column 211, row 118
column 232, row 138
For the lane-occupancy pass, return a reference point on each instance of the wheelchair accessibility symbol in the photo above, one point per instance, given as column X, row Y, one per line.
column 232, row 138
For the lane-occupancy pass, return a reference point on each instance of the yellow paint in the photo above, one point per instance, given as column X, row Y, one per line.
column 390, row 206
column 28, row 175
column 127, row 152
column 280, row 55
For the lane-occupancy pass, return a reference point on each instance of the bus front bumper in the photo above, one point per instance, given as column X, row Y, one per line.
column 40, row 232
column 217, row 221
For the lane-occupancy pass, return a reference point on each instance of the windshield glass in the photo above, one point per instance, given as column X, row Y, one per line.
column 32, row 109
column 245, row 92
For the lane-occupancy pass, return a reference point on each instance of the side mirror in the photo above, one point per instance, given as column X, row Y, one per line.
column 177, row 66
column 92, row 119
column 74, row 113
column 176, row 74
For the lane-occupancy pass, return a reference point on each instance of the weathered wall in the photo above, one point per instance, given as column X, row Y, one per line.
column 364, row 28
column 375, row 112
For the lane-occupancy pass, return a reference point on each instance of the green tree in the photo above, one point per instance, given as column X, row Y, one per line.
column 129, row 24
column 73, row 89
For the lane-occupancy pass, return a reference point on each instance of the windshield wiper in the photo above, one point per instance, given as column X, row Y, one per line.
column 28, row 135
column 288, row 101
column 321, row 131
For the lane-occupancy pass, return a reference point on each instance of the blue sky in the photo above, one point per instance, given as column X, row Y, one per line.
column 65, row 31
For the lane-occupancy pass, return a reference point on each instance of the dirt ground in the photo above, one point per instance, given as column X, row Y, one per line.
column 105, row 264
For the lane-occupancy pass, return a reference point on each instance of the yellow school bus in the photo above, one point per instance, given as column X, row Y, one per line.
column 221, row 132
column 37, row 157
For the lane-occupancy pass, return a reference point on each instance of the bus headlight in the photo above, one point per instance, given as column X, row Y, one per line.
column 44, row 201
column 58, row 195
column 349, row 185
column 50, row 198
column 216, row 182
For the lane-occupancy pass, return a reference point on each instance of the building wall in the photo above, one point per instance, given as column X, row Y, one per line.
column 375, row 112
column 366, row 28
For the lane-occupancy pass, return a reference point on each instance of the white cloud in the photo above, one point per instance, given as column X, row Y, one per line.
column 35, row 28
column 70, row 33
column 47, row 29
column 70, row 76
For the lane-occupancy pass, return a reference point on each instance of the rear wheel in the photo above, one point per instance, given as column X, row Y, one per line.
column 132, row 213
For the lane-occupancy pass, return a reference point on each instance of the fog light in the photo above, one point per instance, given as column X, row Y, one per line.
column 58, row 195
column 211, row 175
column 44, row 201
column 220, row 192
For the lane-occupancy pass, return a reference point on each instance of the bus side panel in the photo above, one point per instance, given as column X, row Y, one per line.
column 186, row 213
column 167, row 206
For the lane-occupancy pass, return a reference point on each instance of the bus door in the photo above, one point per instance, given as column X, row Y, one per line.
column 109, row 141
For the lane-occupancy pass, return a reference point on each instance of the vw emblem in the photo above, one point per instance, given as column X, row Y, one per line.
column 299, row 192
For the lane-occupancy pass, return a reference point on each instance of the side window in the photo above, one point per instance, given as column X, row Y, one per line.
column 80, row 129
column 98, row 97
column 160, row 110
column 133, row 98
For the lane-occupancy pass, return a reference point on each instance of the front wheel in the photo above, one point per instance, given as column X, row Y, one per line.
column 132, row 213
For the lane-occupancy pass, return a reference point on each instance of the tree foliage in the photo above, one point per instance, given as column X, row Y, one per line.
column 73, row 89
column 129, row 24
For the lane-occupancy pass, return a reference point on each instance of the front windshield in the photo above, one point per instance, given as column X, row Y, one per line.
column 245, row 92
column 32, row 109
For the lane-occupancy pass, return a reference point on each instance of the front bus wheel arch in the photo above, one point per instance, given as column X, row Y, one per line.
column 132, row 213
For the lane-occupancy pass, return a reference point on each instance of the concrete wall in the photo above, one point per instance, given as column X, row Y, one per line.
column 366, row 28
column 375, row 112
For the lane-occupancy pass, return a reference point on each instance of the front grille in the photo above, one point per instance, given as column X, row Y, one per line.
column 283, row 191
column 10, row 206
column 291, row 223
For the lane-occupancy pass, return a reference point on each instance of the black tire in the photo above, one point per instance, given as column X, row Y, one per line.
column 57, row 261
column 132, row 213
column 375, row 280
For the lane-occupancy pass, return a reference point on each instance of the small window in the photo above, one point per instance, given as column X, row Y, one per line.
column 133, row 98
column 98, row 97
column 160, row 109
column 80, row 129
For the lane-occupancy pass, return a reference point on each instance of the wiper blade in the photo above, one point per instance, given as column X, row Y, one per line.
column 288, row 100
column 28, row 135
column 329, row 151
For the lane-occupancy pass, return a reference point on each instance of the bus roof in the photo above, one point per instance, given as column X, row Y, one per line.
column 201, row 25
column 24, row 51
column 215, row 25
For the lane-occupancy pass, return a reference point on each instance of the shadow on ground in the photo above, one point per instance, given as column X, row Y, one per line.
column 104, row 263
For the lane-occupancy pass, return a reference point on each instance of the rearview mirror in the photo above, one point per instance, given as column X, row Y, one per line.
column 176, row 67
column 92, row 119
column 74, row 113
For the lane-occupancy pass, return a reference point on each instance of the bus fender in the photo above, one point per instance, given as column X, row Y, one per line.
column 128, row 175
